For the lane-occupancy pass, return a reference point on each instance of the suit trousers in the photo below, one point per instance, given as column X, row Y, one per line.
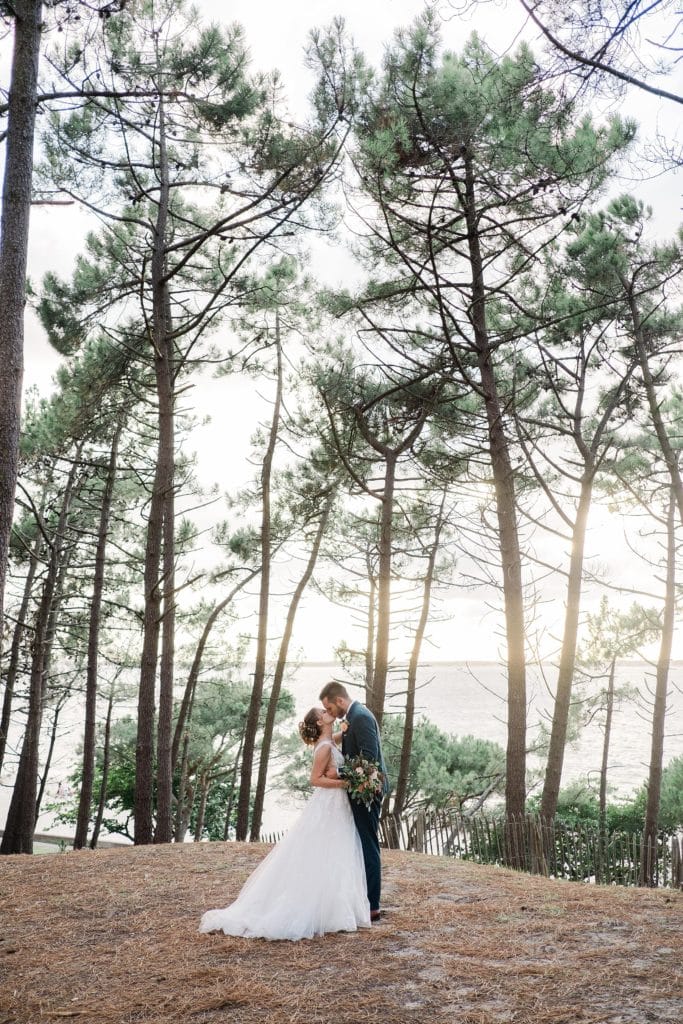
column 367, row 826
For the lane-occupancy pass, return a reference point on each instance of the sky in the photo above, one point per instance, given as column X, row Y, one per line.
column 276, row 34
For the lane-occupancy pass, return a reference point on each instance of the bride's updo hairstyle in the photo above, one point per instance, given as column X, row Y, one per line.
column 310, row 728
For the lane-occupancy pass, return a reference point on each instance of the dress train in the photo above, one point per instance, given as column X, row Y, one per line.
column 312, row 882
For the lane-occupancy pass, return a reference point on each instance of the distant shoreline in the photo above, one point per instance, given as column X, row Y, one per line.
column 468, row 662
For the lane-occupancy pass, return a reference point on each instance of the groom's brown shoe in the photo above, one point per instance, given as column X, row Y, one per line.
column 375, row 915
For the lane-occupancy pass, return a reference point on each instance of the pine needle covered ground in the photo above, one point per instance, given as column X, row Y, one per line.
column 111, row 937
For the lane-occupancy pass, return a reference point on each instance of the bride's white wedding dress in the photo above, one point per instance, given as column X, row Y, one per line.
column 311, row 883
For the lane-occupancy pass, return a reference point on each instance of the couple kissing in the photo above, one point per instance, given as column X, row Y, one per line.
column 325, row 874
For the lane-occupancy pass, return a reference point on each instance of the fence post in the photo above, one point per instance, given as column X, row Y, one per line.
column 539, row 863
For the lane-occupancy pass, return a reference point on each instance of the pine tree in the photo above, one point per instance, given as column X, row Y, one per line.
column 473, row 166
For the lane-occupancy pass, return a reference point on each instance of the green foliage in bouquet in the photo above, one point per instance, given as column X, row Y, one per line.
column 363, row 777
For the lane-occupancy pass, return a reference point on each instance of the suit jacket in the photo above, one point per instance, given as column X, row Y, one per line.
column 362, row 737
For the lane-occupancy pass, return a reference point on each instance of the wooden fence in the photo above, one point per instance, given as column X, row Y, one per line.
column 540, row 847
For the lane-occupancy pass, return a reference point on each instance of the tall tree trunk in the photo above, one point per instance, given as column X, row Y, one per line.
column 17, row 640
column 254, row 711
column 144, row 748
column 204, row 787
column 164, row 823
column 158, row 528
column 91, row 675
column 181, row 816
column 370, row 635
column 233, row 786
column 409, row 725
column 506, row 510
column 50, row 634
column 390, row 457
column 20, row 824
column 48, row 757
column 188, row 804
column 381, row 667
column 565, row 676
column 654, row 781
column 278, row 676
column 16, row 207
column 376, row 692
column 106, row 758
column 193, row 675
column 600, row 874
column 606, row 744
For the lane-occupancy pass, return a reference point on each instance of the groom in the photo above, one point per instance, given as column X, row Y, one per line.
column 361, row 737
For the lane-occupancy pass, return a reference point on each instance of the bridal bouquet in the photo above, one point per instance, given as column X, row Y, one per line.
column 364, row 778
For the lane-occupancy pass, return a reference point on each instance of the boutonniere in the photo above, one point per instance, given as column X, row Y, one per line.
column 343, row 726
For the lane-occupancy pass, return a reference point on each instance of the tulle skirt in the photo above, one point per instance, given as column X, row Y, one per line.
column 311, row 883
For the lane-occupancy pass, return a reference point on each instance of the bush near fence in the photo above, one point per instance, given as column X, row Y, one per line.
column 539, row 846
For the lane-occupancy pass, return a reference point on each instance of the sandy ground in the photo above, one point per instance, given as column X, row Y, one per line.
column 111, row 937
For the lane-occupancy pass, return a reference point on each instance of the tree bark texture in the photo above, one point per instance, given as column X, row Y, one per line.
column 606, row 744
column 17, row 640
column 565, row 675
column 165, row 342
column 48, row 757
column 159, row 536
column 20, row 824
column 164, row 823
column 409, row 725
column 233, row 787
column 204, row 786
column 390, row 457
column 92, row 667
column 384, row 567
column 182, row 811
column 370, row 632
column 281, row 664
column 144, row 748
column 106, row 759
column 254, row 710
column 185, row 710
column 506, row 510
column 14, row 231
column 654, row 781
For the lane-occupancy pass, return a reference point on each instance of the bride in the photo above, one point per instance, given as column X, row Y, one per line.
column 313, row 881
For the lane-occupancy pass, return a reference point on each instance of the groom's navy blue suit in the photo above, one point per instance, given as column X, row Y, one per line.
column 362, row 737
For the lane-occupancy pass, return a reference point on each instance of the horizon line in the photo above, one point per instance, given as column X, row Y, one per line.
column 314, row 663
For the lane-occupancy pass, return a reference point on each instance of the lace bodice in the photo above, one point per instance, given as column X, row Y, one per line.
column 337, row 756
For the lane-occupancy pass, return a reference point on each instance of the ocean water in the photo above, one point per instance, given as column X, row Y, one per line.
column 469, row 699
column 461, row 699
